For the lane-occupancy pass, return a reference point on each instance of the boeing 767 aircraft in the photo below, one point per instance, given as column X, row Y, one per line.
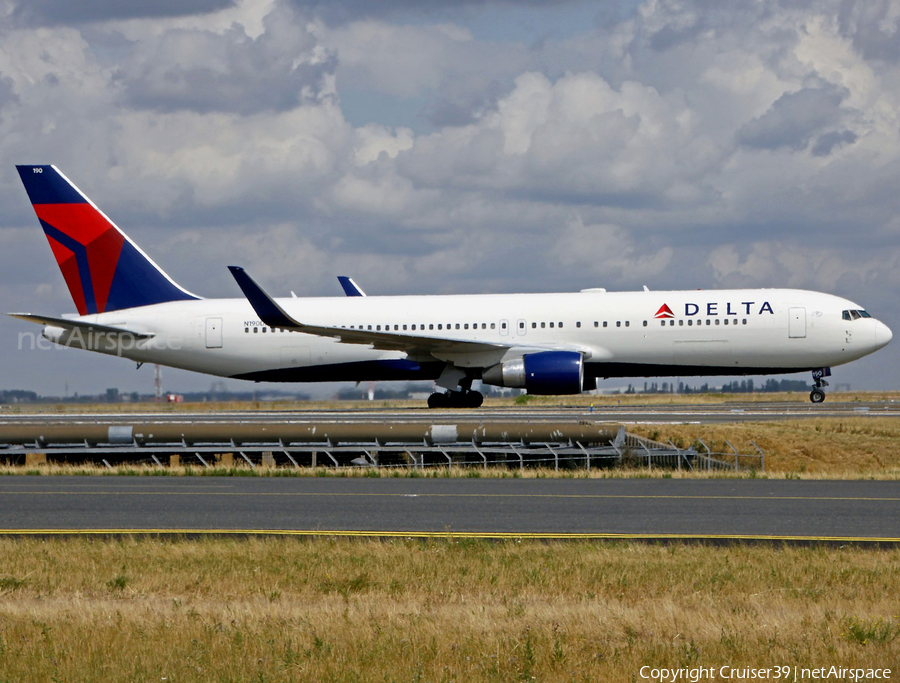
column 543, row 343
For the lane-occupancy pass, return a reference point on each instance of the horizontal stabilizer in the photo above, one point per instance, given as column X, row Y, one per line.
column 84, row 326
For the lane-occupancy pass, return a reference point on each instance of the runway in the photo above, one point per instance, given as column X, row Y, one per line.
column 840, row 511
column 625, row 414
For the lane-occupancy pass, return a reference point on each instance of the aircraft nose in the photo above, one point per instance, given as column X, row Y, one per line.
column 883, row 334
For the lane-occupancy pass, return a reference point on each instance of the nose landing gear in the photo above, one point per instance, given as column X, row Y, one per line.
column 817, row 395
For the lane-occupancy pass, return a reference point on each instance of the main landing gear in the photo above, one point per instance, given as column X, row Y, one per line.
column 456, row 399
column 817, row 395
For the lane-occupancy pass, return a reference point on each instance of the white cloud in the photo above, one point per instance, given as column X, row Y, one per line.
column 693, row 144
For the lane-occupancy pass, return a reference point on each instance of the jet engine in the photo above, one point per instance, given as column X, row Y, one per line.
column 546, row 372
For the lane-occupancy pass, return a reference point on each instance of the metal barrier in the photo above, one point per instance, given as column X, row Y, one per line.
column 394, row 444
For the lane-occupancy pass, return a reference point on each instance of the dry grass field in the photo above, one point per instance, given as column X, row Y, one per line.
column 825, row 447
column 441, row 610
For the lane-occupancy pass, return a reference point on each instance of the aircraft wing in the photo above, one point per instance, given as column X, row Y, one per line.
column 274, row 315
column 350, row 287
column 83, row 325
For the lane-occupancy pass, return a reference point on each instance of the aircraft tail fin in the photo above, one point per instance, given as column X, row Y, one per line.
column 103, row 268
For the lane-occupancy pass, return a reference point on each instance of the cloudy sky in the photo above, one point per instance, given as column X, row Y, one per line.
column 456, row 146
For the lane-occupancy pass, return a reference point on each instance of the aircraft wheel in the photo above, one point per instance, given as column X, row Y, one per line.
column 816, row 395
column 438, row 400
column 474, row 399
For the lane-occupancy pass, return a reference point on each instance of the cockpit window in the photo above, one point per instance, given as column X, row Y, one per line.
column 854, row 315
column 864, row 314
column 845, row 315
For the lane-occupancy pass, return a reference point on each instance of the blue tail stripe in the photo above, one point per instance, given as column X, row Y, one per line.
column 137, row 282
column 45, row 186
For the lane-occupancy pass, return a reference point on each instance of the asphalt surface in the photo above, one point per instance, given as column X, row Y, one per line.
column 656, row 508
column 686, row 413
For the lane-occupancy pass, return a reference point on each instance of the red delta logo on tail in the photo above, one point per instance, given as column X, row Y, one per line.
column 664, row 312
column 87, row 249
column 103, row 269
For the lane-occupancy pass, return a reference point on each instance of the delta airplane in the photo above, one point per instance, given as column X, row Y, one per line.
column 543, row 343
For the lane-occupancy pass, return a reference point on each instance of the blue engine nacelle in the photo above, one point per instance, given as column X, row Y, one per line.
column 548, row 373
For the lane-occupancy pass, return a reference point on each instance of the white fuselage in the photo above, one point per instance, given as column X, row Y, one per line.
column 760, row 331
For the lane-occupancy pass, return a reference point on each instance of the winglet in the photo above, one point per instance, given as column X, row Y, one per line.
column 350, row 287
column 268, row 311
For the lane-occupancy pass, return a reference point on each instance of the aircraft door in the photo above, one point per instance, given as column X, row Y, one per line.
column 797, row 322
column 214, row 333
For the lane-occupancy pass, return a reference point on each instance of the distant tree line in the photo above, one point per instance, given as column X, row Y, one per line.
column 744, row 386
column 17, row 396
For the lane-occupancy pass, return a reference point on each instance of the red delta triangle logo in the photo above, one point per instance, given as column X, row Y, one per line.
column 664, row 312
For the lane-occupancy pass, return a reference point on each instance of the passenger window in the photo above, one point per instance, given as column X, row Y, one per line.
column 466, row 326
column 744, row 321
column 597, row 324
column 457, row 326
column 690, row 323
column 717, row 321
column 662, row 323
column 431, row 326
column 681, row 323
column 627, row 323
column 533, row 326
column 578, row 324
column 726, row 321
column 671, row 323
column 645, row 323
column 604, row 323
column 255, row 330
column 543, row 325
column 440, row 326
column 494, row 326
column 618, row 323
